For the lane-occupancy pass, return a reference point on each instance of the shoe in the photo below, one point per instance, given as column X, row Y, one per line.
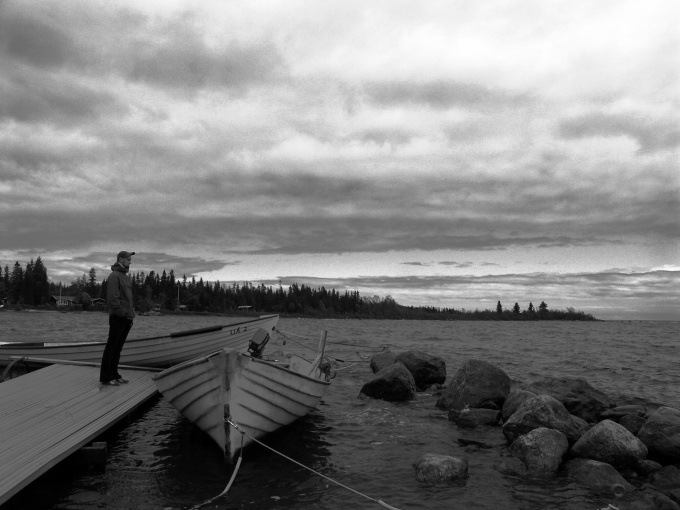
column 120, row 380
column 110, row 383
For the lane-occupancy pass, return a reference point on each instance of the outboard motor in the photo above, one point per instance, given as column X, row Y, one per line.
column 257, row 343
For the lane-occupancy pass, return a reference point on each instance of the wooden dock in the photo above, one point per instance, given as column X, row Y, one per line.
column 49, row 414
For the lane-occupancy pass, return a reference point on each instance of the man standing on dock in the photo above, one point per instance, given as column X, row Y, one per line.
column 121, row 314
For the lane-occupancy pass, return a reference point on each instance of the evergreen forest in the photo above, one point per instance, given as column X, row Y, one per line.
column 30, row 287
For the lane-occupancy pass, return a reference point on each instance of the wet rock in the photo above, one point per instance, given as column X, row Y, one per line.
column 426, row 369
column 542, row 411
column 472, row 418
column 611, row 443
column 666, row 478
column 579, row 397
column 541, row 450
column 647, row 467
column 432, row 467
column 476, row 385
column 512, row 466
column 661, row 434
column 632, row 423
column 616, row 413
column 597, row 476
column 514, row 400
column 472, row 442
column 382, row 360
column 393, row 383
column 652, row 500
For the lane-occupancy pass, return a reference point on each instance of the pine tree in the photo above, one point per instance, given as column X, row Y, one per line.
column 499, row 308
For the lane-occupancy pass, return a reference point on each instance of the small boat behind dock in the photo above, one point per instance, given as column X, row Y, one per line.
column 159, row 351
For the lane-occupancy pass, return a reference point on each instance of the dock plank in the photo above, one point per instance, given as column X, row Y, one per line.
column 48, row 414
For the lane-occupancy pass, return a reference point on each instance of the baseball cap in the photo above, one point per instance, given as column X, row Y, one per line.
column 125, row 254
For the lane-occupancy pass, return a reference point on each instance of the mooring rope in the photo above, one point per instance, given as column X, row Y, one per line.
column 231, row 481
column 286, row 333
column 243, row 433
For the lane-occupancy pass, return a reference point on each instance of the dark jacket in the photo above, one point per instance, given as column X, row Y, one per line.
column 119, row 293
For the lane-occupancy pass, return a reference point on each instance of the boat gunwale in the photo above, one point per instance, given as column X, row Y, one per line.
column 204, row 359
column 176, row 334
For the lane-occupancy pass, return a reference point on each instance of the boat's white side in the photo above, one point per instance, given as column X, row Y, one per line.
column 258, row 396
column 161, row 351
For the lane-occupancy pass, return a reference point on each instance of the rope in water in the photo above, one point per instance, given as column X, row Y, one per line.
column 243, row 433
column 231, row 481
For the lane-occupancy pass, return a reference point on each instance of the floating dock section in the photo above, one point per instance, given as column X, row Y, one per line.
column 47, row 415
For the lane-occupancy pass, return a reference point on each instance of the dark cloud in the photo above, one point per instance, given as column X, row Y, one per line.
column 27, row 38
column 460, row 265
column 651, row 134
column 33, row 98
column 439, row 94
column 169, row 53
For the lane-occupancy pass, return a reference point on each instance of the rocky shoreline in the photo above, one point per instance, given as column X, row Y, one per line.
column 625, row 448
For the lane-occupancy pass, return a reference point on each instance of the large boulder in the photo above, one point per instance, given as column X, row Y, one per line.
column 394, row 383
column 661, row 434
column 611, row 443
column 579, row 397
column 543, row 411
column 514, row 400
column 382, row 360
column 426, row 369
column 476, row 384
column 597, row 476
column 541, row 450
column 433, row 468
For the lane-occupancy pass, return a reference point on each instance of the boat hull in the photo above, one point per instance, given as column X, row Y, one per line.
column 161, row 351
column 258, row 396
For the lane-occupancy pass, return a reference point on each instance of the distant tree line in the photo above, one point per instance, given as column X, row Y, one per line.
column 30, row 287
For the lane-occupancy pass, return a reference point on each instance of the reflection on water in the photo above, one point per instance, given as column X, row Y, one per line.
column 161, row 461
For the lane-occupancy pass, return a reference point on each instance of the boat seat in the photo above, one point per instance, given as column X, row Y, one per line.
column 257, row 343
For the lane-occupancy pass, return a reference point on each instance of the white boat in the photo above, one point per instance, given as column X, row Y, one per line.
column 158, row 351
column 257, row 395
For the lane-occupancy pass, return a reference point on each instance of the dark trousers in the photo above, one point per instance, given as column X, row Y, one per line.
column 119, row 327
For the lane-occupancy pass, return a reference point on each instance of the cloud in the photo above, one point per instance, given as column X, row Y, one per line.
column 651, row 134
column 440, row 94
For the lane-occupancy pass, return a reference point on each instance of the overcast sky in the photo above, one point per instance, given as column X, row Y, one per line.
column 447, row 153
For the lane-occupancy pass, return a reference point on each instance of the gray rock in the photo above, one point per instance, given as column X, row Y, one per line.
column 579, row 397
column 652, row 500
column 393, row 383
column 382, row 360
column 647, row 467
column 597, row 476
column 541, row 450
column 514, row 400
column 616, row 413
column 611, row 443
column 632, row 423
column 432, row 467
column 512, row 466
column 661, row 434
column 666, row 478
column 476, row 384
column 542, row 411
column 426, row 369
column 472, row 418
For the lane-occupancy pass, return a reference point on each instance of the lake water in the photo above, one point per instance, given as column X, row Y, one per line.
column 160, row 461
